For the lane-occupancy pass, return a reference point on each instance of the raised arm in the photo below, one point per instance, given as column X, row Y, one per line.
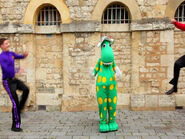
column 178, row 24
column 21, row 56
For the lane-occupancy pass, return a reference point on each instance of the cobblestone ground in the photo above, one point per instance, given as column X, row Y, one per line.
column 84, row 125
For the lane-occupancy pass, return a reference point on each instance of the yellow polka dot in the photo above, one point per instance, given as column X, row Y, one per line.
column 114, row 114
column 100, row 69
column 97, row 68
column 105, row 100
column 100, row 100
column 114, row 68
column 105, row 108
column 104, row 87
column 115, row 100
column 110, row 108
column 104, row 79
column 110, row 78
column 104, row 120
column 101, row 115
column 110, row 100
column 111, row 87
column 99, row 79
column 97, row 88
column 111, row 118
column 101, row 63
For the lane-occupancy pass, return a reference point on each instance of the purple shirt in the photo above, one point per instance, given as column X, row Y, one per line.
column 7, row 63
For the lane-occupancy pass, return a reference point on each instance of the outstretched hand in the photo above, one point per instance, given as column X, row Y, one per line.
column 118, row 72
column 91, row 72
column 25, row 54
column 172, row 21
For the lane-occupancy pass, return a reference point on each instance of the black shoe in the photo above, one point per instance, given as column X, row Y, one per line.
column 171, row 91
column 16, row 129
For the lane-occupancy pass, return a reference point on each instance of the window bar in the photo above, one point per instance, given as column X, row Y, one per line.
column 40, row 18
column 119, row 15
column 44, row 11
column 54, row 17
column 51, row 19
column 103, row 18
column 57, row 20
column 43, row 17
column 116, row 18
column 124, row 15
column 107, row 16
column 111, row 15
column 182, row 13
column 178, row 14
column 49, row 16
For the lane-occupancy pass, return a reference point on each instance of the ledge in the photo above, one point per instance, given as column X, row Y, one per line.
column 88, row 26
column 85, row 26
column 151, row 24
column 15, row 28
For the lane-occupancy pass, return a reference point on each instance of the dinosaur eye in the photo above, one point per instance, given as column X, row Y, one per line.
column 104, row 45
column 110, row 45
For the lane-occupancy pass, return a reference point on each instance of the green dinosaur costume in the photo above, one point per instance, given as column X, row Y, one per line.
column 106, row 86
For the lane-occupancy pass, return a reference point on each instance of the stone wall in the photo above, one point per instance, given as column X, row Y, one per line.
column 49, row 70
column 13, row 10
column 57, row 68
column 152, row 8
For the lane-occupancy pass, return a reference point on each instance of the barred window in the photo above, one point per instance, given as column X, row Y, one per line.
column 180, row 13
column 116, row 14
column 48, row 16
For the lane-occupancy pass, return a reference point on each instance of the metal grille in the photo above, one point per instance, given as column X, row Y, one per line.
column 48, row 16
column 116, row 14
column 180, row 13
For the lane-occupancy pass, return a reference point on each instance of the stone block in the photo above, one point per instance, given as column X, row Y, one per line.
column 151, row 100
column 53, row 108
column 123, row 99
column 166, row 36
column 137, row 100
column 138, row 27
column 79, row 103
column 47, row 99
column 180, row 100
column 166, row 101
column 86, row 26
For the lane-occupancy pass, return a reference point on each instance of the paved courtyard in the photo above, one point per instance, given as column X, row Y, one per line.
column 84, row 125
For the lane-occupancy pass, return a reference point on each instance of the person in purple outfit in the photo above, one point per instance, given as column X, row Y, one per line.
column 11, row 84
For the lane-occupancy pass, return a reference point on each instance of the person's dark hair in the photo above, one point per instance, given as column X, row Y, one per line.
column 2, row 41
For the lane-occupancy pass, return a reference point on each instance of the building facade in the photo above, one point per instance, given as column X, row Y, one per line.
column 62, row 36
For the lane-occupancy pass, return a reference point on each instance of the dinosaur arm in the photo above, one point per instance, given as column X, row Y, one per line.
column 114, row 66
column 117, row 70
column 97, row 68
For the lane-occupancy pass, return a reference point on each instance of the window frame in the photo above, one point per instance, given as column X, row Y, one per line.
column 48, row 16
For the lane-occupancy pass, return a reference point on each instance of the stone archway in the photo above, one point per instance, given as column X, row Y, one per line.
column 171, row 8
column 102, row 4
column 35, row 5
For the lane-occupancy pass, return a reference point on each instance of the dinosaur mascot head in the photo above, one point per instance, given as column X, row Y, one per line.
column 107, row 55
